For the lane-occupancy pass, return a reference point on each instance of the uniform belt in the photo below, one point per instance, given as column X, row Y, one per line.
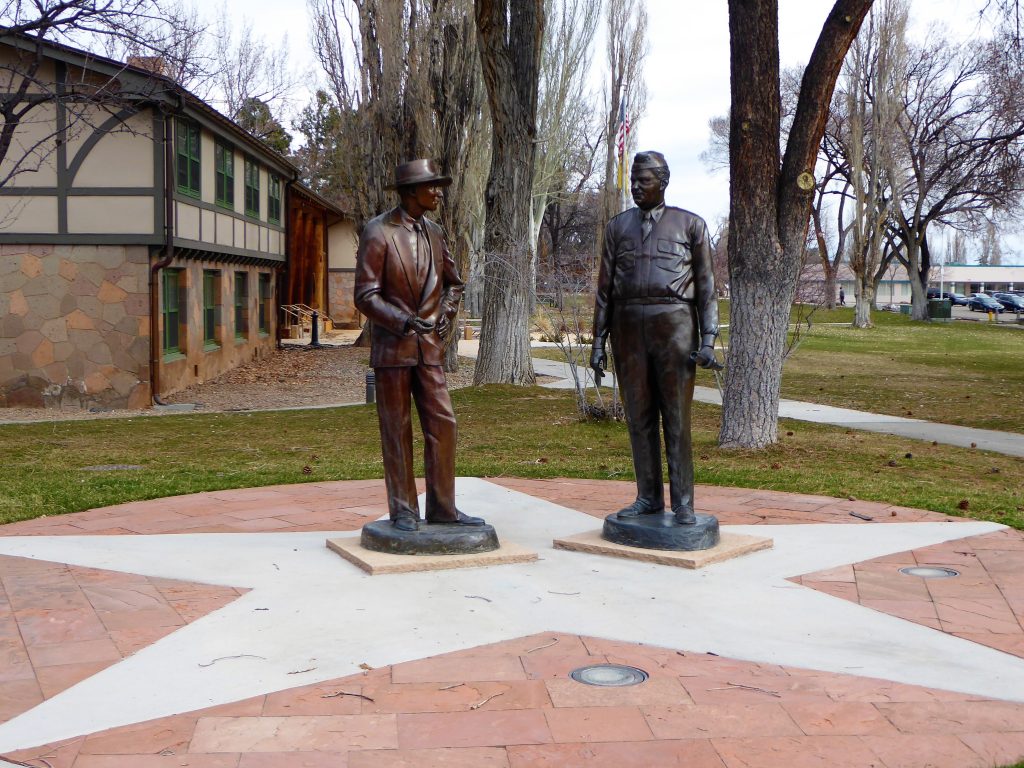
column 654, row 300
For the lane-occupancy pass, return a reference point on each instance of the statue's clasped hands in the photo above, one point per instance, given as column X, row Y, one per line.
column 420, row 326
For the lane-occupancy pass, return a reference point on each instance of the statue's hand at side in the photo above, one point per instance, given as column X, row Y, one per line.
column 598, row 362
column 705, row 358
column 444, row 324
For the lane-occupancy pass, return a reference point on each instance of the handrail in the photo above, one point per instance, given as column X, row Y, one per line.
column 302, row 316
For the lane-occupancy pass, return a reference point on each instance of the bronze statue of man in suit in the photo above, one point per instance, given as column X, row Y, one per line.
column 408, row 286
column 656, row 297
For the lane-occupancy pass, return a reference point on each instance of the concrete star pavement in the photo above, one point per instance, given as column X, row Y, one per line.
column 311, row 616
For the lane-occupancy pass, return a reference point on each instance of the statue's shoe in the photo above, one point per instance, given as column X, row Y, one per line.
column 639, row 507
column 684, row 515
column 460, row 519
column 405, row 522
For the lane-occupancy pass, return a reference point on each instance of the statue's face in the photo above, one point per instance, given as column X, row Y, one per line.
column 429, row 195
column 647, row 189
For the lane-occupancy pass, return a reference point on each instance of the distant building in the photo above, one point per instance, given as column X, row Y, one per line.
column 149, row 244
column 894, row 287
column 977, row 278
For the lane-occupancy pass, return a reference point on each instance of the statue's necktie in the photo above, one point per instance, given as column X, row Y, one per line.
column 647, row 225
column 416, row 250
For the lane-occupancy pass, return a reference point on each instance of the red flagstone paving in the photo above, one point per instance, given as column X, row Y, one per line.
column 60, row 624
column 985, row 604
column 511, row 704
column 793, row 717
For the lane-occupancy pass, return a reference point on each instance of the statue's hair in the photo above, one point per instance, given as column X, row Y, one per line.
column 653, row 162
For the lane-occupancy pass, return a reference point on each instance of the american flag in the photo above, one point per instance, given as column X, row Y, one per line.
column 621, row 138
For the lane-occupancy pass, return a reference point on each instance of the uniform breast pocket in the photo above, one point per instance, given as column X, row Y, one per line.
column 624, row 262
column 673, row 254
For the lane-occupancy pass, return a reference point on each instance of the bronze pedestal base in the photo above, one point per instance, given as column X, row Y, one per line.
column 661, row 531
column 430, row 539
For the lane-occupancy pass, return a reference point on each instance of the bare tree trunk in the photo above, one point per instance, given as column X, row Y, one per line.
column 459, row 104
column 509, row 35
column 769, row 205
column 864, row 302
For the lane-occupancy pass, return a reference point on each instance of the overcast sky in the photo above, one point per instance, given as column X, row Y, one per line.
column 687, row 73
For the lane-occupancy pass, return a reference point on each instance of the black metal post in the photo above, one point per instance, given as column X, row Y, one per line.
column 314, row 337
column 371, row 387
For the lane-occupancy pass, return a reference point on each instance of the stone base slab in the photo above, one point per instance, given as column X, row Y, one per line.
column 375, row 563
column 730, row 545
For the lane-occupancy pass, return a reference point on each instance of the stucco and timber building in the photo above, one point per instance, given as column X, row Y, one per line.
column 146, row 242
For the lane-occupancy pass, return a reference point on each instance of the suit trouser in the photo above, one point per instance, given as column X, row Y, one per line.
column 426, row 385
column 652, row 345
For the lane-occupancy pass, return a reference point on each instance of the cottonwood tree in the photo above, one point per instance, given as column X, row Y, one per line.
column 364, row 48
column 247, row 71
column 566, row 135
column 991, row 250
column 462, row 134
column 566, row 257
column 626, row 49
column 770, row 198
column 402, row 77
column 874, row 70
column 960, row 134
column 374, row 55
column 509, row 35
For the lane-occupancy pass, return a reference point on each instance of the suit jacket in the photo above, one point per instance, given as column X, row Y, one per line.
column 672, row 266
column 390, row 290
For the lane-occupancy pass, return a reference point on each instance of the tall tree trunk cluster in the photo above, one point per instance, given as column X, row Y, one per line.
column 463, row 128
column 405, row 77
column 626, row 29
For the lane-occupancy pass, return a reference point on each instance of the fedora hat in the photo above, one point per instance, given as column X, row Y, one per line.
column 419, row 172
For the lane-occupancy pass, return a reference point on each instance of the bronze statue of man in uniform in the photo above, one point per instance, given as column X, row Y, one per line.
column 408, row 286
column 656, row 298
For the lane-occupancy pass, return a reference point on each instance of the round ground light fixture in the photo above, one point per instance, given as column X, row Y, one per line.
column 608, row 675
column 930, row 572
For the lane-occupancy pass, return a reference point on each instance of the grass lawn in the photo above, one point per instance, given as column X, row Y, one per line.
column 526, row 432
column 970, row 374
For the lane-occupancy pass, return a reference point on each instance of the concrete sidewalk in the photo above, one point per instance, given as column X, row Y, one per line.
column 1009, row 443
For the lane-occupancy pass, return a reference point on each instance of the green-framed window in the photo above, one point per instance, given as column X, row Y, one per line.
column 241, row 305
column 252, row 188
column 264, row 306
column 171, row 309
column 186, row 146
column 274, row 199
column 211, row 307
column 224, row 171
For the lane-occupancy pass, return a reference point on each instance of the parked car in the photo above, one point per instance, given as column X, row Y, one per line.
column 957, row 299
column 1010, row 301
column 982, row 302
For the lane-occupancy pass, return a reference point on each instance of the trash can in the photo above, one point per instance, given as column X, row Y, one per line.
column 940, row 309
column 905, row 309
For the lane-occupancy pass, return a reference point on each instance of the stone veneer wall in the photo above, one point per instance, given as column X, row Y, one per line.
column 198, row 363
column 341, row 284
column 74, row 326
